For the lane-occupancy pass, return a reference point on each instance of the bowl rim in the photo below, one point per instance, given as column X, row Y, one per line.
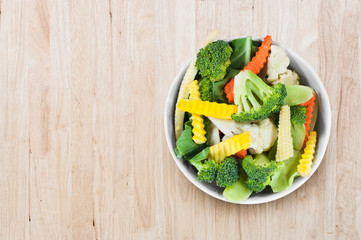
column 272, row 196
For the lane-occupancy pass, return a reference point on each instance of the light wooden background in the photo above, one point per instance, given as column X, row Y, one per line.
column 82, row 92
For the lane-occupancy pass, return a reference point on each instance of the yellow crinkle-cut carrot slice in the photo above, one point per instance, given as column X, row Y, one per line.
column 198, row 129
column 209, row 109
column 304, row 167
column 183, row 90
column 285, row 141
column 194, row 93
column 197, row 120
column 229, row 147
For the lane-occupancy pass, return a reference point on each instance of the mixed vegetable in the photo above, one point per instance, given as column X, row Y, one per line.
column 243, row 120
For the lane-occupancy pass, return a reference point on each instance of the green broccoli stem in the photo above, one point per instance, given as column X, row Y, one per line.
column 247, row 84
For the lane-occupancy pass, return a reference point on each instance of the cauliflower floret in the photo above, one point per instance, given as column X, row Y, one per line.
column 267, row 136
column 288, row 78
column 278, row 62
column 277, row 71
column 263, row 134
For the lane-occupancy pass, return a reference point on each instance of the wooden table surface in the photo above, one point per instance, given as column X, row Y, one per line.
column 82, row 92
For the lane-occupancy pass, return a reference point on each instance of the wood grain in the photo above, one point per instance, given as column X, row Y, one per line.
column 82, row 91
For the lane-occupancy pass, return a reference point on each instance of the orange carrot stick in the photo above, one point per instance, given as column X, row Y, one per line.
column 229, row 90
column 242, row 154
column 255, row 65
column 309, row 109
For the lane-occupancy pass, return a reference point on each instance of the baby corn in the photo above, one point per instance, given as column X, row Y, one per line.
column 285, row 141
column 183, row 90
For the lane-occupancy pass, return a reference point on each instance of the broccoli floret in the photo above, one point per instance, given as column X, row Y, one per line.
column 298, row 115
column 228, row 172
column 213, row 61
column 278, row 96
column 207, row 172
column 205, row 89
column 207, row 169
column 255, row 99
column 256, row 186
column 259, row 171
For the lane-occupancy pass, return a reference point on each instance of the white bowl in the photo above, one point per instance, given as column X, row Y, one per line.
column 323, row 127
